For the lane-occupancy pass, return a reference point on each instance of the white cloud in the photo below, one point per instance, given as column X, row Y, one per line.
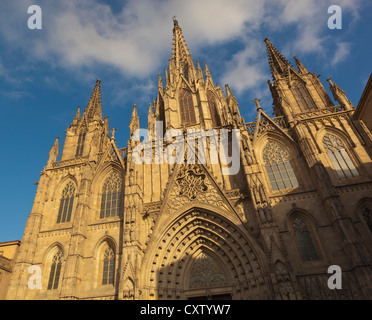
column 247, row 68
column 139, row 37
column 341, row 52
column 137, row 40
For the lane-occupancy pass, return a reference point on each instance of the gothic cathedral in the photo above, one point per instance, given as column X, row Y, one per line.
column 106, row 227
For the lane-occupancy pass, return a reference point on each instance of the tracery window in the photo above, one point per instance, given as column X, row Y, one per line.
column 205, row 272
column 111, row 196
column 80, row 145
column 339, row 157
column 303, row 97
column 278, row 167
column 187, row 108
column 216, row 120
column 367, row 215
column 55, row 271
column 66, row 203
column 108, row 266
column 304, row 240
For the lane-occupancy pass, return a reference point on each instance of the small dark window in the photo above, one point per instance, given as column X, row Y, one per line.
column 304, row 240
column 80, row 145
column 187, row 108
column 303, row 97
column 216, row 120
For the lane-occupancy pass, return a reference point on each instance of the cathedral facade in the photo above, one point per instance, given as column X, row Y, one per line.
column 104, row 226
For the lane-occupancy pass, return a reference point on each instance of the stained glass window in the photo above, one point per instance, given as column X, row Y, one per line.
column 303, row 97
column 205, row 272
column 278, row 167
column 66, row 203
column 186, row 107
column 111, row 196
column 339, row 157
column 80, row 145
column 213, row 109
column 55, row 271
column 304, row 240
column 108, row 266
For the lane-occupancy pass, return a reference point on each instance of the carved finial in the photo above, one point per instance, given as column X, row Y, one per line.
column 257, row 102
column 113, row 133
column 175, row 22
column 332, row 84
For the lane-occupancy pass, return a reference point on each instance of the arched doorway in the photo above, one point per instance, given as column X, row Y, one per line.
column 212, row 241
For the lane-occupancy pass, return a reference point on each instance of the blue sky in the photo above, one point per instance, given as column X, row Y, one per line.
column 46, row 74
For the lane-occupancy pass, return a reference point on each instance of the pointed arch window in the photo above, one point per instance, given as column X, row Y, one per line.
column 66, row 203
column 339, row 157
column 216, row 120
column 108, row 266
column 111, row 196
column 186, row 107
column 303, row 97
column 304, row 240
column 55, row 271
column 80, row 145
column 278, row 167
column 205, row 272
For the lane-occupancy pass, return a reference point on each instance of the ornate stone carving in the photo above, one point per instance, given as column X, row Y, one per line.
column 192, row 184
column 190, row 181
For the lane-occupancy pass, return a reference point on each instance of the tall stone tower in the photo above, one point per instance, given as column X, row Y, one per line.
column 177, row 225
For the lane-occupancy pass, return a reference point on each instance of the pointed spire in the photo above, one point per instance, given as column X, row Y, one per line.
column 151, row 118
column 229, row 93
column 77, row 117
column 231, row 100
column 93, row 111
column 301, row 68
column 339, row 95
column 278, row 63
column 207, row 73
column 160, row 83
column 166, row 78
column 150, row 113
column 181, row 61
column 134, row 122
column 199, row 72
column 53, row 154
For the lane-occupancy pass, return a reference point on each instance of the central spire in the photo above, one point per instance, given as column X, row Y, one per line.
column 278, row 63
column 93, row 111
column 181, row 61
